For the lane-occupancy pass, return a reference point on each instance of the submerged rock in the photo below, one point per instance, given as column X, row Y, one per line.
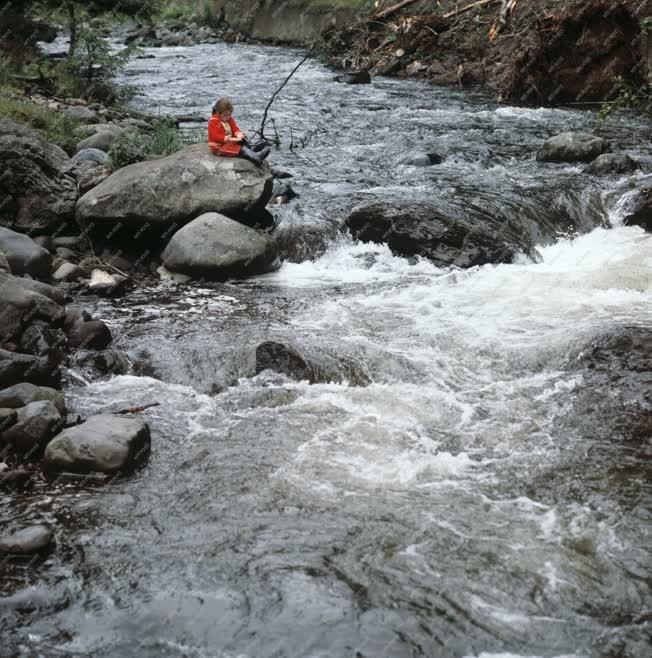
column 415, row 230
column 24, row 255
column 422, row 159
column 572, row 147
column 282, row 358
column 26, row 540
column 354, row 78
column 177, row 188
column 37, row 187
column 103, row 443
column 612, row 163
column 216, row 247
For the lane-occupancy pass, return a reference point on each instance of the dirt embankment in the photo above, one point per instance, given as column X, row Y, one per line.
column 550, row 52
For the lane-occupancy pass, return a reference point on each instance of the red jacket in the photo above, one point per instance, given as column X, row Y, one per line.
column 217, row 137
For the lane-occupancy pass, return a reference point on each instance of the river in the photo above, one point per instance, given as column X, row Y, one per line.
column 460, row 505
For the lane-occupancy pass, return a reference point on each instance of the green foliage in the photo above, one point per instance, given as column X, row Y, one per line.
column 164, row 139
column 628, row 97
column 55, row 127
column 88, row 73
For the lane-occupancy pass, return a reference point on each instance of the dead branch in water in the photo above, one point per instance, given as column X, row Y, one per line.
column 137, row 410
column 278, row 91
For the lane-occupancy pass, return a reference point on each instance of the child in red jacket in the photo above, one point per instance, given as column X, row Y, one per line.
column 225, row 138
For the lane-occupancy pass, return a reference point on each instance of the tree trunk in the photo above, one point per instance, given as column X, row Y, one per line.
column 72, row 24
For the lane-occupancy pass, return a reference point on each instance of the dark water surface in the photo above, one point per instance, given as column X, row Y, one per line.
column 459, row 505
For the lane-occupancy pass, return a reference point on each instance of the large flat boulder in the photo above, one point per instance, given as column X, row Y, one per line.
column 37, row 189
column 24, row 255
column 572, row 147
column 104, row 443
column 216, row 247
column 176, row 189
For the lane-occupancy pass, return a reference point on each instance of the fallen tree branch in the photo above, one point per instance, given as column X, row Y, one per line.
column 393, row 9
column 478, row 3
column 278, row 91
column 137, row 410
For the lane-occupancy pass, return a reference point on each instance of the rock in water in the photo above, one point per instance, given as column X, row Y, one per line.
column 422, row 159
column 415, row 230
column 354, row 78
column 216, row 247
column 104, row 443
column 26, row 540
column 37, row 187
column 24, row 255
column 572, row 147
column 278, row 357
column 177, row 188
column 612, row 163
column 640, row 211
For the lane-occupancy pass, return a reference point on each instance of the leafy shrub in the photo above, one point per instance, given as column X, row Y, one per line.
column 88, row 73
column 55, row 127
column 164, row 139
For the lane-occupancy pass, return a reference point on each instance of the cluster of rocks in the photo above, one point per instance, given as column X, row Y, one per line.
column 472, row 238
column 176, row 34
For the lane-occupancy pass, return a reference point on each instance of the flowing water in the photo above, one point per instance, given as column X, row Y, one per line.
column 470, row 501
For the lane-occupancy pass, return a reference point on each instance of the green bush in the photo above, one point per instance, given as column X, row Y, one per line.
column 628, row 97
column 55, row 127
column 88, row 73
column 164, row 139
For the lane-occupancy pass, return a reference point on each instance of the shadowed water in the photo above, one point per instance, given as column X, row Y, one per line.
column 469, row 502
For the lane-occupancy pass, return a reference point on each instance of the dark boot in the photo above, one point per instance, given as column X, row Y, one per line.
column 256, row 158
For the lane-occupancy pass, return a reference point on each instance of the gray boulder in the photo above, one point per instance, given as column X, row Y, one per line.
column 416, row 230
column 422, row 159
column 177, row 188
column 93, row 155
column 55, row 294
column 216, row 247
column 612, row 163
column 90, row 335
column 7, row 418
column 26, row 540
column 37, row 188
column 572, row 147
column 22, row 306
column 639, row 212
column 24, row 255
column 5, row 268
column 17, row 368
column 68, row 272
column 104, row 443
column 285, row 359
column 105, row 135
column 354, row 78
column 20, row 395
column 80, row 113
column 35, row 425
